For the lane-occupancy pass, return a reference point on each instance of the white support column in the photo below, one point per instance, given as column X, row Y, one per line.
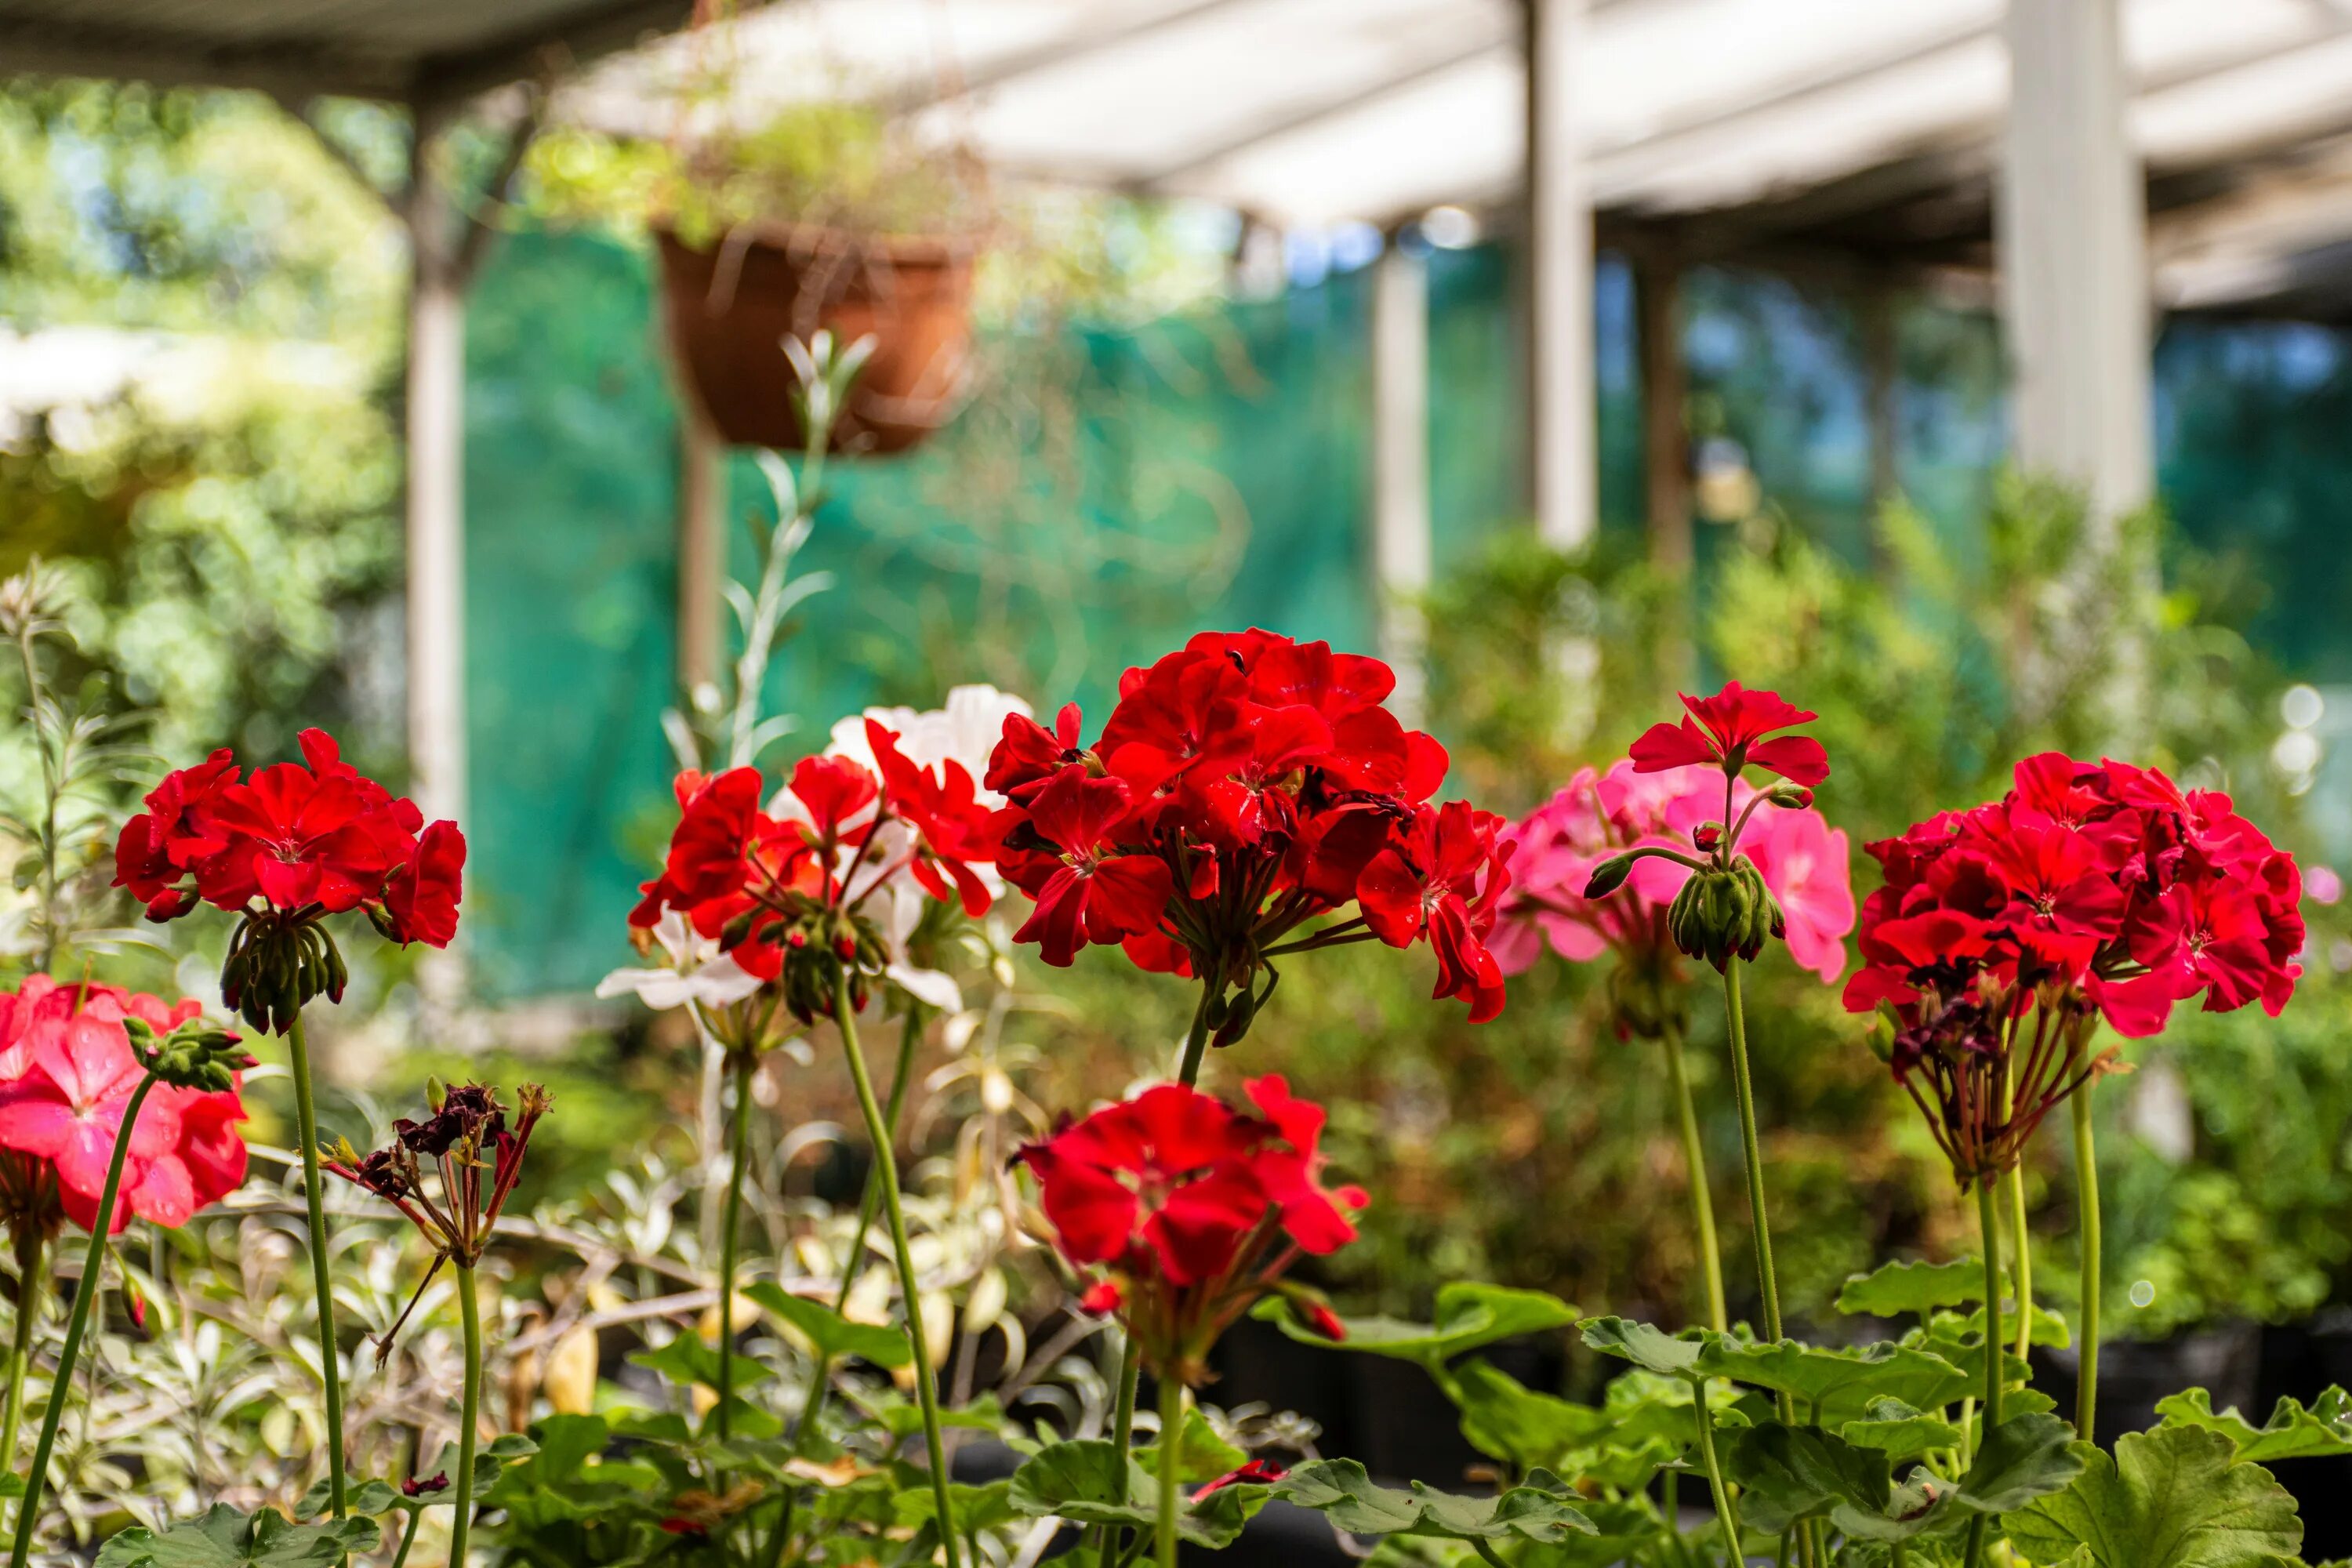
column 437, row 526
column 702, row 549
column 2072, row 239
column 1559, row 210
column 1400, row 536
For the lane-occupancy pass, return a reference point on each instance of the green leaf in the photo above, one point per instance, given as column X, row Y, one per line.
column 2024, row 1457
column 1790, row 1473
column 1505, row 1420
column 975, row 1508
column 2048, row 1327
column 902, row 1417
column 1893, row 1289
column 686, row 1361
column 2172, row 1498
column 1093, row 1482
column 2292, row 1433
column 1648, row 1347
column 1202, row 1455
column 833, row 1335
column 1467, row 1315
column 361, row 1497
column 1340, row 1490
column 566, row 1443
column 1837, row 1386
column 224, row 1537
column 1898, row 1430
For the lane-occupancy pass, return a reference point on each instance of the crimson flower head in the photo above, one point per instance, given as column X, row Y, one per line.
column 1730, row 730
column 68, row 1071
column 1244, row 786
column 1192, row 1208
column 831, row 874
column 2004, row 935
column 283, row 848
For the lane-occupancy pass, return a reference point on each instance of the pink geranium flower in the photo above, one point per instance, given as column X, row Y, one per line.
column 1599, row 815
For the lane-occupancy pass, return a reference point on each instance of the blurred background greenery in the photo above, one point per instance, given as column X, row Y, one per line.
column 1160, row 451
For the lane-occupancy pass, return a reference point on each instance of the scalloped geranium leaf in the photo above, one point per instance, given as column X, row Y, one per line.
column 976, row 1509
column 224, row 1537
column 833, row 1335
column 1788, row 1473
column 1834, row 1386
column 686, row 1361
column 1201, row 1454
column 1647, row 1346
column 1891, row 1289
column 1899, row 1430
column 1540, row 1511
column 1506, row 1420
column 2172, row 1498
column 1093, row 1482
column 1468, row 1315
column 2292, row 1431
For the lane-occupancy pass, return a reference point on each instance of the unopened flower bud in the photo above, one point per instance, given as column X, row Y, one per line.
column 1708, row 837
column 1724, row 912
column 1326, row 1321
column 1609, row 876
column 845, row 948
column 436, row 1093
column 1790, row 796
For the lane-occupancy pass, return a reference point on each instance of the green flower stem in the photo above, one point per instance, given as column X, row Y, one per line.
column 2024, row 1266
column 1172, row 1424
column 462, row 1483
column 1735, row 1025
column 93, row 1270
column 408, row 1537
column 32, row 1282
column 323, row 1284
column 1899, row 1557
column 1131, row 1369
column 885, row 1166
column 1710, row 1255
column 1988, row 1228
column 729, row 1232
column 1725, row 1511
column 2086, row 1188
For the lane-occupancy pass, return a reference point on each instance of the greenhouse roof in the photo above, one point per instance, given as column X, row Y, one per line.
column 1742, row 125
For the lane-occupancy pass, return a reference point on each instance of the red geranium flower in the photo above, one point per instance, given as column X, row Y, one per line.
column 1193, row 1208
column 951, row 826
column 422, row 897
column 1097, row 893
column 1729, row 729
column 1263, row 778
column 1444, row 880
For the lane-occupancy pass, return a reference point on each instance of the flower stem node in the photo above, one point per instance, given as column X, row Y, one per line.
column 195, row 1056
column 1725, row 912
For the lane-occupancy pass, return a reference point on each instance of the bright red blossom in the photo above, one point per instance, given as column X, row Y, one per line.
column 1243, row 787
column 1193, row 1208
column 296, row 839
column 1729, row 729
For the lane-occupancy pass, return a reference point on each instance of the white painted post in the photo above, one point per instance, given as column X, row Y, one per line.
column 701, row 549
column 436, row 525
column 2072, row 239
column 1401, row 529
column 1559, row 209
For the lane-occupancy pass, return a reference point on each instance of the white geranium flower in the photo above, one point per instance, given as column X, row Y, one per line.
column 964, row 731
column 697, row 972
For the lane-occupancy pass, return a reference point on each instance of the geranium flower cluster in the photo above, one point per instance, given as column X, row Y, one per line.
column 835, row 868
column 68, row 1071
column 1245, row 785
column 293, row 843
column 1599, row 816
column 1192, row 1210
column 2089, row 891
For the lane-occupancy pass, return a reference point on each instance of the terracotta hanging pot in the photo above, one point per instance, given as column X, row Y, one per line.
column 731, row 306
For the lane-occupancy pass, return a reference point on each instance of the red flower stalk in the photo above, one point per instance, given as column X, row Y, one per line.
column 792, row 889
column 1193, row 1209
column 68, row 1071
column 1244, row 786
column 293, row 843
column 478, row 1159
column 2004, row 933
